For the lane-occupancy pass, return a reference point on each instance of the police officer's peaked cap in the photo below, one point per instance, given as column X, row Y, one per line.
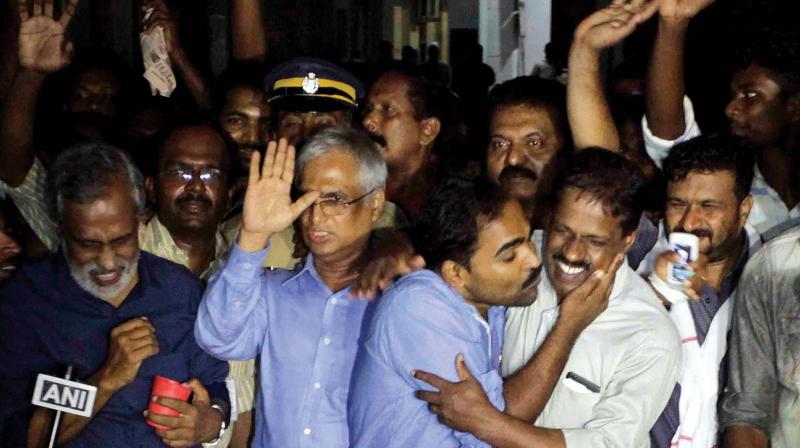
column 309, row 84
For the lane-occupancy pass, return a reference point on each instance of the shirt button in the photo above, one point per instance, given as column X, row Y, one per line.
column 247, row 265
column 317, row 385
column 326, row 341
column 334, row 301
column 307, row 431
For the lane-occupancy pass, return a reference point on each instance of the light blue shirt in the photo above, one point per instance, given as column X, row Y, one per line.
column 420, row 323
column 306, row 336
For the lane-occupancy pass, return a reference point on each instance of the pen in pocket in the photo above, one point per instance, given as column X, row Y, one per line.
column 583, row 382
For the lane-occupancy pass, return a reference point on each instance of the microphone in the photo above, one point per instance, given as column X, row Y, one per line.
column 63, row 395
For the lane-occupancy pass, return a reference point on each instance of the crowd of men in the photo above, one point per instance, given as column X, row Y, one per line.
column 332, row 263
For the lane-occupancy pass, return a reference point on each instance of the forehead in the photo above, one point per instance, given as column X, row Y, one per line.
column 509, row 225
column 390, row 86
column 718, row 183
column 246, row 98
column 194, row 144
column 113, row 213
column 338, row 115
column 584, row 215
column 97, row 77
column 755, row 74
column 336, row 170
column 522, row 119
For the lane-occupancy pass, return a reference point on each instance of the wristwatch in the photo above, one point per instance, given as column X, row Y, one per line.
column 223, row 425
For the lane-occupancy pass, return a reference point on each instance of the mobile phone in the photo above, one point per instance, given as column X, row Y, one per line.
column 687, row 246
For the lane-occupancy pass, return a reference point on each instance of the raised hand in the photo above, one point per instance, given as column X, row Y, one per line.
column 682, row 10
column 43, row 46
column 161, row 16
column 609, row 26
column 268, row 206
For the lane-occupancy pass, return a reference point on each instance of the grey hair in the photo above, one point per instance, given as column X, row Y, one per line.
column 83, row 173
column 371, row 166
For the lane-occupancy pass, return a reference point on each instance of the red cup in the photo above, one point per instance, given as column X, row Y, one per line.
column 165, row 387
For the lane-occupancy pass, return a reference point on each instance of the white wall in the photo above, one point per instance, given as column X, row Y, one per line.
column 501, row 46
column 536, row 20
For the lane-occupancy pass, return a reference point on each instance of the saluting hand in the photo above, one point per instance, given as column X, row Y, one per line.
column 268, row 206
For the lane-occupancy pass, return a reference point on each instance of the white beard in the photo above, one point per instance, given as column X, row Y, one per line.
column 82, row 276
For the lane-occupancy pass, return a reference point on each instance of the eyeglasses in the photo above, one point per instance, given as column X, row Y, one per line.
column 206, row 175
column 335, row 207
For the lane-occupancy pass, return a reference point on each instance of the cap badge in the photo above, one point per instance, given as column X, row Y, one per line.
column 311, row 84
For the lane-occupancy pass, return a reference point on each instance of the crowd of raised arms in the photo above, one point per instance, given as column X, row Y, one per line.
column 418, row 258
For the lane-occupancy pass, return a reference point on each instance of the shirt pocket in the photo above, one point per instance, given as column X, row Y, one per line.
column 572, row 403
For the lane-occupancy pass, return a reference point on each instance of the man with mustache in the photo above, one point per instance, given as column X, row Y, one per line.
column 116, row 314
column 708, row 185
column 763, row 109
column 623, row 366
column 476, row 241
column 407, row 116
column 528, row 138
column 191, row 192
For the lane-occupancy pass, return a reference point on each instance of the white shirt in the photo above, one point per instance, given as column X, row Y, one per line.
column 631, row 352
column 769, row 211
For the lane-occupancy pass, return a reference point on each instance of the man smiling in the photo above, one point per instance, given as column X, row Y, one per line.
column 622, row 367
column 476, row 242
column 117, row 314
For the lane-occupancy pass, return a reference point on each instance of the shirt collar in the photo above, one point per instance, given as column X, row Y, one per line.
column 731, row 279
column 155, row 238
column 307, row 268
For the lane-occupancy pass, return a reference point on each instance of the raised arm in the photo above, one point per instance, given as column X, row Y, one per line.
column 590, row 117
column 247, row 31
column 665, row 77
column 188, row 72
column 232, row 317
column 43, row 50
